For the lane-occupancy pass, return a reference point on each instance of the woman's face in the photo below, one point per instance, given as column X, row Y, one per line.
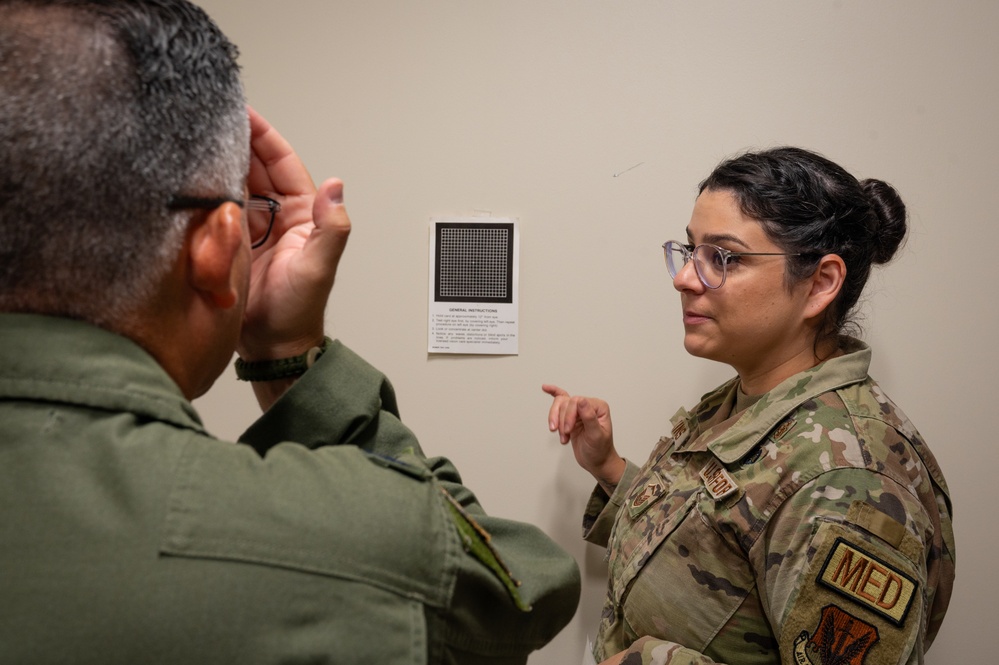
column 753, row 322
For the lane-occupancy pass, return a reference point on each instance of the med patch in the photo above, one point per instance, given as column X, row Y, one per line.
column 869, row 581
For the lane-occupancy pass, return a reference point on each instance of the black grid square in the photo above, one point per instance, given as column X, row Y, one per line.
column 474, row 262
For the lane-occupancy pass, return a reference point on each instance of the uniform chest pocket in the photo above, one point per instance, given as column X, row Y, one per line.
column 689, row 584
column 649, row 518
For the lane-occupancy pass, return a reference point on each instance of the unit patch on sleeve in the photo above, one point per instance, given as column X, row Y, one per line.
column 869, row 581
column 839, row 639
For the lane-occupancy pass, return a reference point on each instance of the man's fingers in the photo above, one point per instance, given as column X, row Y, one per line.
column 328, row 211
column 275, row 166
column 332, row 226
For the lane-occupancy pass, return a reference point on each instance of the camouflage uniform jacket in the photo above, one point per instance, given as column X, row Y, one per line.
column 814, row 527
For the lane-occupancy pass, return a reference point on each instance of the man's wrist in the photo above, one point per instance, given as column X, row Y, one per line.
column 280, row 368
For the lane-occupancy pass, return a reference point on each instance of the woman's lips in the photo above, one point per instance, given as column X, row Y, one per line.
column 691, row 318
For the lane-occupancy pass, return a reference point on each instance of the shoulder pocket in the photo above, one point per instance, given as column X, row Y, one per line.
column 858, row 594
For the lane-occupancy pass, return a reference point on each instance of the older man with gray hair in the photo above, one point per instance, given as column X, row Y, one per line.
column 147, row 231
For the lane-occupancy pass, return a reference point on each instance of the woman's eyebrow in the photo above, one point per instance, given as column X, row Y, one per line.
column 716, row 238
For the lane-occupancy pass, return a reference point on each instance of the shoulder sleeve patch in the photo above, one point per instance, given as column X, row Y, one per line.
column 859, row 600
column 865, row 579
column 839, row 637
column 477, row 542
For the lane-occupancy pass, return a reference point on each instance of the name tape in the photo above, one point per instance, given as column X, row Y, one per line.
column 717, row 480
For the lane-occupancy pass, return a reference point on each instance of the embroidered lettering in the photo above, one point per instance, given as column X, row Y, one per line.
column 868, row 581
column 717, row 480
column 846, row 571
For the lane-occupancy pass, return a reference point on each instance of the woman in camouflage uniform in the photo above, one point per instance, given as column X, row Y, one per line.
column 794, row 515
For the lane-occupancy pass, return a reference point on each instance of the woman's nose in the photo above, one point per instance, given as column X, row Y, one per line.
column 687, row 279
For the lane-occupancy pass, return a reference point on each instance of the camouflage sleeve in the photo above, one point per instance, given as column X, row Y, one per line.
column 842, row 571
column 650, row 651
column 601, row 510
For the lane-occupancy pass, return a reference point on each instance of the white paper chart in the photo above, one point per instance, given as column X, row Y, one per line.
column 474, row 266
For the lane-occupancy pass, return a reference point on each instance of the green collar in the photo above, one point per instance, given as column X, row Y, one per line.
column 61, row 360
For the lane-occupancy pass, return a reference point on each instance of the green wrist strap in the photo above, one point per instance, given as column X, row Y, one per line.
column 282, row 368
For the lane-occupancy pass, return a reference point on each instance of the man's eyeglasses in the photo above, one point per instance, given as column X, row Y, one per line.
column 260, row 212
column 710, row 261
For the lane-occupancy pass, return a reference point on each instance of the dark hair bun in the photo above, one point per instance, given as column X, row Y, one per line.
column 890, row 219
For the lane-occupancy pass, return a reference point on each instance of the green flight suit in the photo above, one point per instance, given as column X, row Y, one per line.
column 130, row 535
column 812, row 528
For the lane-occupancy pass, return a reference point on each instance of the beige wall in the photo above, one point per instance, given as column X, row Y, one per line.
column 528, row 108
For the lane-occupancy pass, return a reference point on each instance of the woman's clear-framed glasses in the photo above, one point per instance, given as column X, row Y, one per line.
column 260, row 212
column 710, row 261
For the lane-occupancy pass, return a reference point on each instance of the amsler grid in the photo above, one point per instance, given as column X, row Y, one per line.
column 474, row 262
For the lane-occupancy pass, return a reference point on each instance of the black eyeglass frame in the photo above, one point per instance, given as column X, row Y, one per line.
column 255, row 202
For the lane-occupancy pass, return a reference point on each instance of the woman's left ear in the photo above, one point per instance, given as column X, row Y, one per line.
column 827, row 280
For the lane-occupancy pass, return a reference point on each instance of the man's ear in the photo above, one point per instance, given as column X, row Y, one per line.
column 214, row 247
column 826, row 282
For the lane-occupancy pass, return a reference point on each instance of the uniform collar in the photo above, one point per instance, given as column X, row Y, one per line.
column 60, row 360
column 730, row 437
